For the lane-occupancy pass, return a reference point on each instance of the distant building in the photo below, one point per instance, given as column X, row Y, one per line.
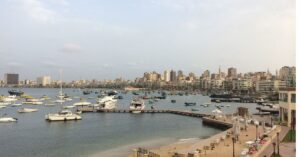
column 232, row 72
column 269, row 85
column 167, row 76
column 43, row 81
column 11, row 79
column 173, row 77
column 206, row 74
column 287, row 106
column 288, row 74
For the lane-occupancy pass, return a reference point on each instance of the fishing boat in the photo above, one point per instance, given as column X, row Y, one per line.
column 190, row 103
column 15, row 92
column 137, row 106
column 27, row 110
column 63, row 115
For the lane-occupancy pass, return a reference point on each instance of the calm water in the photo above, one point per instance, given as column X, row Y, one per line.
column 32, row 136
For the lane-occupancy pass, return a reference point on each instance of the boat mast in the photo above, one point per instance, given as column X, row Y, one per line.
column 61, row 93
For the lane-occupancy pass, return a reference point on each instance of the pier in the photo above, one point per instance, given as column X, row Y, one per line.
column 184, row 113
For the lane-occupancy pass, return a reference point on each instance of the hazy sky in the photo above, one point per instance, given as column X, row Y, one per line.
column 105, row 39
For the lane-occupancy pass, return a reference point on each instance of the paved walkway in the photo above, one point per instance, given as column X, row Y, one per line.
column 269, row 150
column 288, row 149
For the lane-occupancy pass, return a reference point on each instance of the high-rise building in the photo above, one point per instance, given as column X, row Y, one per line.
column 167, row 76
column 43, row 81
column 232, row 72
column 173, row 76
column 11, row 79
column 206, row 74
column 288, row 74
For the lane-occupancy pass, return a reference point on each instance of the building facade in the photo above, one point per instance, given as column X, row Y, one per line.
column 11, row 79
column 287, row 106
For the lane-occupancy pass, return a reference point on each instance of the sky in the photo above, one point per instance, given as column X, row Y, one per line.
column 101, row 39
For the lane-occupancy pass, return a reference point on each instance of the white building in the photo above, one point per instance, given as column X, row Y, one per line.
column 167, row 76
column 287, row 106
column 43, row 80
column 242, row 84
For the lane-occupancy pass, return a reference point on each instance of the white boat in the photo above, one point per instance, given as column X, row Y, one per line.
column 59, row 101
column 16, row 105
column 137, row 106
column 27, row 110
column 4, row 103
column 49, row 104
column 107, row 103
column 33, row 102
column 7, row 119
column 82, row 103
column 69, row 107
column 9, row 99
column 63, row 115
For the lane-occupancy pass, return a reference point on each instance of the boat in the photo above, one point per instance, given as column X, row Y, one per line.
column 190, row 103
column 9, row 99
column 7, row 119
column 63, row 115
column 87, row 92
column 82, row 103
column 45, row 97
column 173, row 101
column 194, row 109
column 4, row 103
column 69, row 107
column 15, row 92
column 107, row 103
column 111, row 93
column 218, row 101
column 27, row 110
column 16, row 105
column 227, row 105
column 2, row 106
column 32, row 102
column 49, row 104
column 137, row 106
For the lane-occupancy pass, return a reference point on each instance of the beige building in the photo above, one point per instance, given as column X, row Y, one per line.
column 287, row 106
column 269, row 85
column 43, row 80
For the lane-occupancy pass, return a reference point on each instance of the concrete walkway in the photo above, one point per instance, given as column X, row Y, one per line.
column 288, row 149
column 269, row 150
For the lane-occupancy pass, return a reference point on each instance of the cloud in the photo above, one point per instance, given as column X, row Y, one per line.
column 71, row 48
column 37, row 10
column 14, row 64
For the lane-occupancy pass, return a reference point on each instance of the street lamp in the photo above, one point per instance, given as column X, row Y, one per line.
column 256, row 131
column 233, row 141
column 274, row 144
column 278, row 143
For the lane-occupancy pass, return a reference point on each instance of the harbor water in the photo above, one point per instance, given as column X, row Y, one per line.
column 33, row 136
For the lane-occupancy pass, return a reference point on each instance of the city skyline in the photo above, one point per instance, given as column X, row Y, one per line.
column 102, row 40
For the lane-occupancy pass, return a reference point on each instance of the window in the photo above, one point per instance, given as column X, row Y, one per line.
column 283, row 97
column 293, row 99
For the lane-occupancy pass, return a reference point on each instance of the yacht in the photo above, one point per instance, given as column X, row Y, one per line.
column 64, row 114
column 137, row 106
column 107, row 103
column 27, row 110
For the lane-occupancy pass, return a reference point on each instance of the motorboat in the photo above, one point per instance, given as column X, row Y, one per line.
column 63, row 115
column 15, row 92
column 32, row 102
column 107, row 103
column 69, row 107
column 45, row 97
column 27, row 110
column 137, row 106
column 9, row 99
column 7, row 119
